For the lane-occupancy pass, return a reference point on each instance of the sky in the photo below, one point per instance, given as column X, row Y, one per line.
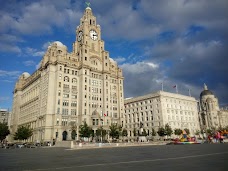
column 178, row 42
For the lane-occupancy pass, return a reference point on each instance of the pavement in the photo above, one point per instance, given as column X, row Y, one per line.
column 113, row 145
column 208, row 157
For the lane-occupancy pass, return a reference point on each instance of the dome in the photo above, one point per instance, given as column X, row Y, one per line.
column 88, row 8
column 25, row 75
column 58, row 43
column 206, row 92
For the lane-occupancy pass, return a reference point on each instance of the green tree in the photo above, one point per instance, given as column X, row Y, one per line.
column 153, row 133
column 178, row 131
column 73, row 134
column 161, row 132
column 114, row 131
column 85, row 130
column 198, row 133
column 168, row 130
column 135, row 132
column 101, row 132
column 187, row 131
column 23, row 133
column 144, row 133
column 4, row 131
column 124, row 133
column 209, row 132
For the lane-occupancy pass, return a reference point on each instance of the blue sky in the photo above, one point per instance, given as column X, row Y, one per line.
column 179, row 42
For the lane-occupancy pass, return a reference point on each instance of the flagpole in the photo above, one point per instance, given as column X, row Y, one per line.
column 162, row 86
column 189, row 92
column 176, row 89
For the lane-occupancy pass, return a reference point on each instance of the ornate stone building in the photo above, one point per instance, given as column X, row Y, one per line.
column 157, row 109
column 4, row 115
column 70, row 88
column 210, row 114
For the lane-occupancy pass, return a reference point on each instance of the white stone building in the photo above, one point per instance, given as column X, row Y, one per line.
column 157, row 109
column 211, row 116
column 70, row 88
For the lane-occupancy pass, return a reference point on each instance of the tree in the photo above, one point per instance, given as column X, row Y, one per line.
column 101, row 132
column 114, row 131
column 23, row 133
column 135, row 132
column 124, row 133
column 144, row 133
column 73, row 134
column 209, row 132
column 161, row 132
column 168, row 130
column 4, row 131
column 198, row 133
column 85, row 130
column 187, row 131
column 153, row 133
column 178, row 132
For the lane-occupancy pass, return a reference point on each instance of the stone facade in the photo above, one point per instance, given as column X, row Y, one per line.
column 4, row 115
column 157, row 109
column 223, row 117
column 70, row 88
column 209, row 110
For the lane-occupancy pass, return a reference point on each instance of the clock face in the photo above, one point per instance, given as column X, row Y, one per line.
column 80, row 36
column 93, row 34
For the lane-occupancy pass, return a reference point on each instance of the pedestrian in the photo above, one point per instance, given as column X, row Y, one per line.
column 218, row 137
column 209, row 139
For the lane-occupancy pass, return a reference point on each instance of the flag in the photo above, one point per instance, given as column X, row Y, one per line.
column 105, row 114
column 174, row 86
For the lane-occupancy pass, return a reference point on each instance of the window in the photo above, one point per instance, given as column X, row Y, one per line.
column 73, row 111
column 58, row 110
column 60, row 68
column 66, row 79
column 66, row 95
column 74, row 80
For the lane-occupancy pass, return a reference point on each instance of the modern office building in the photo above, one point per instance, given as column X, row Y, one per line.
column 158, row 109
column 71, row 88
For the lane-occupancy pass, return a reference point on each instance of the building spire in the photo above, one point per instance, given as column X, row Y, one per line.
column 88, row 4
column 205, row 86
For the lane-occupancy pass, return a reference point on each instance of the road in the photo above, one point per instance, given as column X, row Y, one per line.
column 208, row 157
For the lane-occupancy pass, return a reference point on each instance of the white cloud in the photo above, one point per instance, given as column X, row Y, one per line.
column 3, row 99
column 9, row 74
column 120, row 60
column 33, row 52
column 139, row 67
column 29, row 63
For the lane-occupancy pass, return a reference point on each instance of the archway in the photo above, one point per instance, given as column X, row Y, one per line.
column 64, row 135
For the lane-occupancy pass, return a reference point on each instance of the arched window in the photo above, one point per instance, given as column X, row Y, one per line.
column 66, row 79
column 74, row 80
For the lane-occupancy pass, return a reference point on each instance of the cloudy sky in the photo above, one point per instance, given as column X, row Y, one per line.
column 178, row 42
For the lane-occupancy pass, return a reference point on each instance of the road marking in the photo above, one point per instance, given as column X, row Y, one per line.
column 134, row 161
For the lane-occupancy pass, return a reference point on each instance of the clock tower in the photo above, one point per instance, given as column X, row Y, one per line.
column 88, row 42
column 101, row 80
